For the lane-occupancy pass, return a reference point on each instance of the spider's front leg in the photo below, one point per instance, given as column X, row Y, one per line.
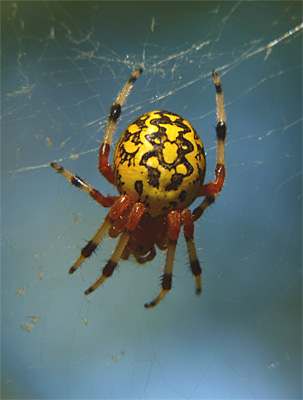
column 104, row 166
column 212, row 189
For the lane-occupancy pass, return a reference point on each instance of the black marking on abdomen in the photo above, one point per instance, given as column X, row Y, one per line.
column 182, row 196
column 139, row 187
column 176, row 181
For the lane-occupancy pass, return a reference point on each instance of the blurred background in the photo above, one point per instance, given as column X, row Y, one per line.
column 63, row 64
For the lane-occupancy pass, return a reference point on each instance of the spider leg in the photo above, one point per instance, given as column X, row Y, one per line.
column 112, row 263
column 81, row 184
column 104, row 166
column 91, row 245
column 212, row 189
column 116, row 212
column 198, row 212
column 132, row 221
column 174, row 222
column 188, row 229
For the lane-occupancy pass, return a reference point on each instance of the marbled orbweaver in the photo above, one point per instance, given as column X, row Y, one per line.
column 158, row 169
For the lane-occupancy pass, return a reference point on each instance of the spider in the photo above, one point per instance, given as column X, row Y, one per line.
column 158, row 169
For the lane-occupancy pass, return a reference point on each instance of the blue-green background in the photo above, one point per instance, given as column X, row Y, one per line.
column 63, row 63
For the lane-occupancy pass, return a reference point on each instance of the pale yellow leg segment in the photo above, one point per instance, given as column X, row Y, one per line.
column 92, row 244
column 211, row 190
column 116, row 108
column 86, row 187
column 219, row 97
column 167, row 276
column 196, row 270
column 112, row 263
column 194, row 263
column 104, row 166
column 75, row 180
column 221, row 127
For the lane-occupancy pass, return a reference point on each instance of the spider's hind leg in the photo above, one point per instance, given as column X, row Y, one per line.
column 115, row 213
column 91, row 245
column 112, row 263
column 188, row 227
column 174, row 222
column 131, row 221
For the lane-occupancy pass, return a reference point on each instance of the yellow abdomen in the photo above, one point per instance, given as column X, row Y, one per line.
column 160, row 161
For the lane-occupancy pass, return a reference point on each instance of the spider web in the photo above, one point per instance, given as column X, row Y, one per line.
column 63, row 64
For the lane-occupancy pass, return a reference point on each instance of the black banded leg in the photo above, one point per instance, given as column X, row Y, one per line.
column 198, row 212
column 219, row 97
column 112, row 263
column 115, row 213
column 221, row 128
column 115, row 110
column 104, row 166
column 92, row 244
column 167, row 276
column 86, row 187
column 189, row 237
column 212, row 189
column 132, row 222
column 174, row 230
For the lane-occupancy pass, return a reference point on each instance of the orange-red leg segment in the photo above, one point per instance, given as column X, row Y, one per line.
column 216, row 186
